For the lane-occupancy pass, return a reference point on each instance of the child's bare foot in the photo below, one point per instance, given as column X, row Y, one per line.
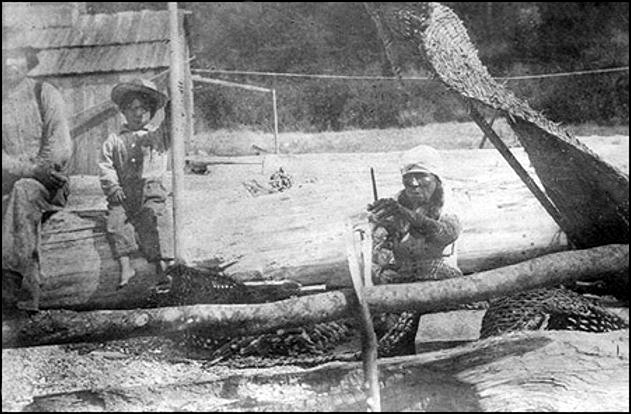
column 165, row 280
column 127, row 271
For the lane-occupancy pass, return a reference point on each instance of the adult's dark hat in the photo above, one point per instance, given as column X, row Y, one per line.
column 139, row 86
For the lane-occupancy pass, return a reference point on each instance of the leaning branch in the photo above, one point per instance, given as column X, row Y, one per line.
column 56, row 327
column 549, row 270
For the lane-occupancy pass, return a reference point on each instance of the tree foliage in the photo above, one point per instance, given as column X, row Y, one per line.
column 339, row 38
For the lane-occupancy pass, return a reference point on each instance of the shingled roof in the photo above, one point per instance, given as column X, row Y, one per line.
column 125, row 41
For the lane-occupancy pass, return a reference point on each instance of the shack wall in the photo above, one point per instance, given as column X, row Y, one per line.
column 85, row 94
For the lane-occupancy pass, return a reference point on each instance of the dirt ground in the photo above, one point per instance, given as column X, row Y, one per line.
column 148, row 362
column 505, row 378
column 30, row 372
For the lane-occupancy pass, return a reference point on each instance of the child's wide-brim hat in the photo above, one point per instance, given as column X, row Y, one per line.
column 141, row 87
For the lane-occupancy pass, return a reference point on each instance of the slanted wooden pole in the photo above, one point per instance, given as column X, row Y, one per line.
column 368, row 336
column 201, row 79
column 178, row 127
column 516, row 166
column 484, row 137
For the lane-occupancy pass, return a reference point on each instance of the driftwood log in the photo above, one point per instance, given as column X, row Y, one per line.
column 297, row 234
column 527, row 371
column 55, row 327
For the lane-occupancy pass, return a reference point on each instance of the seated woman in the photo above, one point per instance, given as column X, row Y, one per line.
column 416, row 231
column 414, row 240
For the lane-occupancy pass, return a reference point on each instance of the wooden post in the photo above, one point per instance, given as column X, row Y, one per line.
column 275, row 121
column 178, row 117
column 368, row 336
column 188, row 96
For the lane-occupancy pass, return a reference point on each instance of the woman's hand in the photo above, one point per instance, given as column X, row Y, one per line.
column 384, row 208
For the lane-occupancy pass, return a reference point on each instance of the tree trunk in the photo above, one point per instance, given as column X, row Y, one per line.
column 80, row 271
column 296, row 234
column 82, row 274
column 54, row 327
column 527, row 371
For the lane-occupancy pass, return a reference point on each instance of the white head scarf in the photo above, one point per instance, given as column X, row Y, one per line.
column 427, row 159
column 422, row 159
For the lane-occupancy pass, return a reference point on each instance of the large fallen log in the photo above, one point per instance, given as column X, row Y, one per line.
column 55, row 327
column 296, row 234
column 528, row 371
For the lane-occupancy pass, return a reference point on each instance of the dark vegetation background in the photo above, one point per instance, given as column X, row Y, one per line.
column 339, row 38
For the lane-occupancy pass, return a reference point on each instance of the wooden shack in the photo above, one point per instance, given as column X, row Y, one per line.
column 84, row 55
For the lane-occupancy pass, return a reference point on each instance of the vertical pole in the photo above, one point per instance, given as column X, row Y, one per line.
column 188, row 96
column 275, row 121
column 176, row 78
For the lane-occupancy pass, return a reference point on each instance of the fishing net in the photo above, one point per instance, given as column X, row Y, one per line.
column 591, row 195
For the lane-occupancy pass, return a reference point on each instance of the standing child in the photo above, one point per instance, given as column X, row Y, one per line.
column 132, row 167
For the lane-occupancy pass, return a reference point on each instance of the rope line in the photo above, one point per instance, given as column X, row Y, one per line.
column 576, row 73
column 392, row 78
column 307, row 75
column 367, row 77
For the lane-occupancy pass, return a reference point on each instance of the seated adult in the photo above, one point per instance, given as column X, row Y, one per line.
column 415, row 232
column 414, row 240
column 36, row 148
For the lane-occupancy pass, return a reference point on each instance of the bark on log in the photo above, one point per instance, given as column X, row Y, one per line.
column 296, row 234
column 54, row 327
column 81, row 273
column 528, row 371
column 549, row 270
column 79, row 269
column 63, row 326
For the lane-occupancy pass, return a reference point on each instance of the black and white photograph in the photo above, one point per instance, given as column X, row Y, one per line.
column 315, row 206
